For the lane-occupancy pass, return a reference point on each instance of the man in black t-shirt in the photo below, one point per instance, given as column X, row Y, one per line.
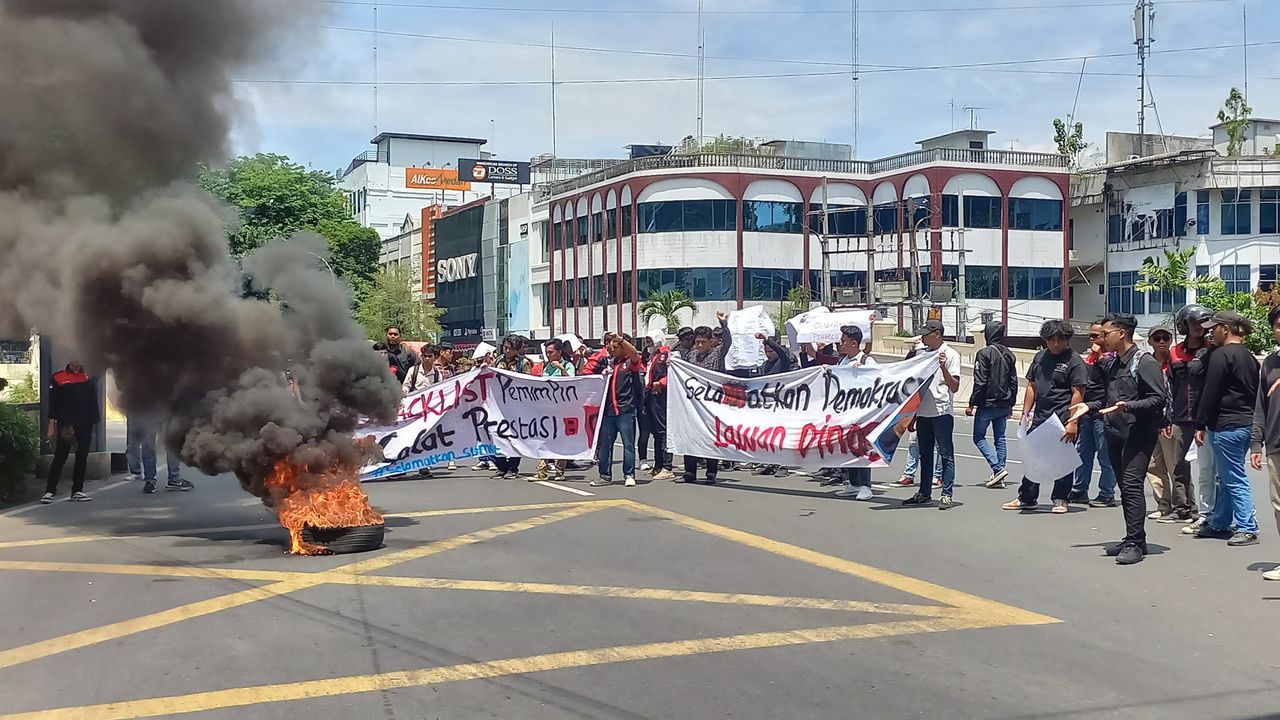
column 1056, row 381
column 400, row 357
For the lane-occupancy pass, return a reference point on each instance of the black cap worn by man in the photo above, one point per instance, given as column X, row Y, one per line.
column 1225, row 317
column 932, row 326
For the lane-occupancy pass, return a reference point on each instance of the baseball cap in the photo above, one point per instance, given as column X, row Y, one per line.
column 932, row 326
column 1225, row 317
column 1167, row 329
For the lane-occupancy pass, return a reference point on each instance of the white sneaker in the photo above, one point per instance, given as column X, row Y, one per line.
column 1155, row 515
column 453, row 465
column 481, row 466
column 1271, row 574
column 80, row 497
column 664, row 475
column 864, row 493
column 847, row 491
column 629, row 481
column 48, row 498
column 645, row 466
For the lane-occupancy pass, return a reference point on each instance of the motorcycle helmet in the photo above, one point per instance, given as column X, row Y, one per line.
column 1191, row 314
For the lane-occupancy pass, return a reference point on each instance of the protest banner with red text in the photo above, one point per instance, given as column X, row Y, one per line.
column 486, row 412
column 831, row 416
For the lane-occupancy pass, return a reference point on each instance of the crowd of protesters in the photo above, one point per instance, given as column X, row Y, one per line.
column 1196, row 396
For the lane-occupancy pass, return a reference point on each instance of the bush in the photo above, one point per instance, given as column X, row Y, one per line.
column 1254, row 306
column 19, row 450
column 23, row 391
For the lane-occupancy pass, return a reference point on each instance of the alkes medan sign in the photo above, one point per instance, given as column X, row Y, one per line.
column 453, row 269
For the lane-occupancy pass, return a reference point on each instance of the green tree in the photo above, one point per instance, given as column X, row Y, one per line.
column 1070, row 140
column 1254, row 306
column 392, row 300
column 23, row 391
column 797, row 301
column 667, row 304
column 1235, row 113
column 277, row 198
column 1171, row 275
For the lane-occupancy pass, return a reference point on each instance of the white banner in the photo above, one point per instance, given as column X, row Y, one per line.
column 489, row 412
column 820, row 417
column 820, row 325
column 746, row 352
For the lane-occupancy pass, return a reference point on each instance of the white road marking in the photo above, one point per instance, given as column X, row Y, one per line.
column 565, row 488
column 36, row 503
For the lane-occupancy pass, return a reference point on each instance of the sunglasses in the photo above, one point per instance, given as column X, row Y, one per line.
column 1161, row 338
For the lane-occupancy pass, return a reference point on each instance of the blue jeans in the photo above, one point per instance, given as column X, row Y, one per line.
column 937, row 433
column 1093, row 442
column 611, row 426
column 1208, row 476
column 997, row 419
column 913, row 460
column 1234, row 505
column 140, row 451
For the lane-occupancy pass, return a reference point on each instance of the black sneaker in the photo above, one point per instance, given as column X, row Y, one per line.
column 1212, row 533
column 179, row 484
column 498, row 475
column 918, row 499
column 1080, row 498
column 1103, row 502
column 765, row 470
column 1115, row 550
column 1241, row 539
column 150, row 487
column 1130, row 554
column 1175, row 518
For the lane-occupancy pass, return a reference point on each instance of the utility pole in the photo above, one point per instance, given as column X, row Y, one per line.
column 962, row 312
column 702, row 43
column 1144, row 18
column 827, row 295
column 913, row 280
column 857, row 70
column 553, row 95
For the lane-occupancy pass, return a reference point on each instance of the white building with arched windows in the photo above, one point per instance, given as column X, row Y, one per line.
column 738, row 230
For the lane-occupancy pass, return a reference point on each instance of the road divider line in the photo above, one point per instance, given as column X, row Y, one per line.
column 557, row 486
column 332, row 687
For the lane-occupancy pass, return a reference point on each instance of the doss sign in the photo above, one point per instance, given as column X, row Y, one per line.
column 508, row 172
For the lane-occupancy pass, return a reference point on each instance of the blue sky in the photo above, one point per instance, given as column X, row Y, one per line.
column 325, row 124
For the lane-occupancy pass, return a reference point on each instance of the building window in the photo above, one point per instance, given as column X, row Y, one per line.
column 770, row 284
column 983, row 212
column 886, row 218
column 1202, row 271
column 1202, row 212
column 584, row 292
column 1115, row 229
column 582, row 229
column 1236, row 212
column 1035, row 214
column 597, row 227
column 920, row 217
column 1166, row 301
column 982, row 282
column 1267, row 277
column 626, row 220
column 1164, row 223
column 611, row 223
column 598, row 292
column 698, row 283
column 1121, row 295
column 544, row 292
column 1180, row 215
column 686, row 215
column 1236, row 278
column 570, row 296
column 628, row 286
column 1269, row 211
column 775, row 217
column 842, row 220
column 544, row 235
column 950, row 211
column 1027, row 283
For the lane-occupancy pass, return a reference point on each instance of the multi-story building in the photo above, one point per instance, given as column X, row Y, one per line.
column 1227, row 208
column 732, row 230
column 407, row 172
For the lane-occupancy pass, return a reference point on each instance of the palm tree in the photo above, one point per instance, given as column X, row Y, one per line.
column 1174, row 274
column 667, row 305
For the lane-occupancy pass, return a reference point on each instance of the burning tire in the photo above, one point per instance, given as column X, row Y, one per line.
column 341, row 541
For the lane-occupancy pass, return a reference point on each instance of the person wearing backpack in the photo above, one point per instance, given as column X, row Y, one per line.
column 995, row 385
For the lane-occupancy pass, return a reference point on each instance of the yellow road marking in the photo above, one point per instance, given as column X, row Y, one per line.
column 439, row 546
column 339, row 578
column 178, row 532
column 241, row 697
column 114, row 631
column 801, row 603
column 998, row 613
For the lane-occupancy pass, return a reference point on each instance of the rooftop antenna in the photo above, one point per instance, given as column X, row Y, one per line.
column 973, row 115
column 952, row 105
column 702, row 44
column 1244, row 44
column 375, row 68
column 1144, row 20
column 554, row 155
column 857, row 71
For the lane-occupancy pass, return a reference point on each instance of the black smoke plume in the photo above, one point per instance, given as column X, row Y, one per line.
column 108, row 107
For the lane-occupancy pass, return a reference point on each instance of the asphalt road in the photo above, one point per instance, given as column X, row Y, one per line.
column 759, row 598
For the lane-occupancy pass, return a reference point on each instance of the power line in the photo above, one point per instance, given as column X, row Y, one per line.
column 819, row 12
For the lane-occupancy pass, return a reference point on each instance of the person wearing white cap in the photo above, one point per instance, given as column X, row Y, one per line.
column 933, row 421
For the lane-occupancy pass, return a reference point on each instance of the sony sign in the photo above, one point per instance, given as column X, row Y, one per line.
column 458, row 268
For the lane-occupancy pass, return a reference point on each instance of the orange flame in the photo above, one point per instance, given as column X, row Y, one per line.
column 331, row 499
